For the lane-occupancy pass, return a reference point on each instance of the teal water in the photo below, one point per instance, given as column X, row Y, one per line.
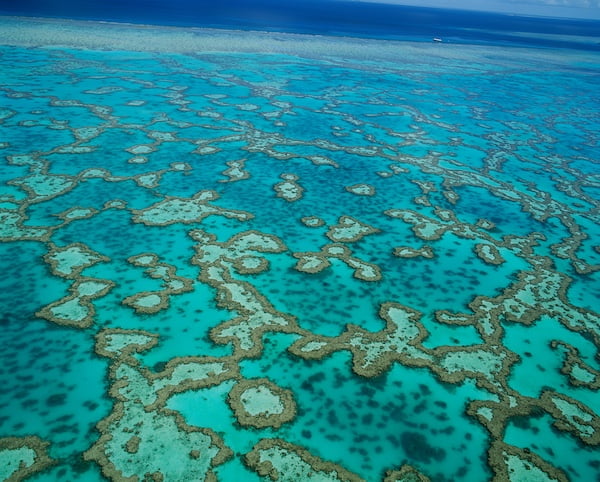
column 486, row 158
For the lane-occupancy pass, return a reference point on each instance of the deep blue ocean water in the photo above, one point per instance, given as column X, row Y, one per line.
column 249, row 255
column 329, row 17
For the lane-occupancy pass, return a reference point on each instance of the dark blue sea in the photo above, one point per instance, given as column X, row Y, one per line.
column 329, row 17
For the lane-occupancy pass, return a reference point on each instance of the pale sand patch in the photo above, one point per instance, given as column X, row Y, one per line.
column 235, row 171
column 137, row 160
column 163, row 136
column 363, row 270
column 91, row 288
column 323, row 161
column 523, row 471
column 289, row 189
column 489, row 253
column 251, row 262
column 181, row 210
column 190, row 371
column 261, row 400
column 313, row 346
column 312, row 264
column 148, row 301
column 175, row 284
column 206, row 150
column 181, row 166
column 11, row 460
column 85, row 133
column 480, row 361
column 115, row 342
column 285, row 462
column 72, row 259
column 147, row 180
column 361, row 189
column 486, row 412
column 581, row 374
column 141, row 149
column 256, row 241
column 349, row 230
column 78, row 213
column 145, row 260
column 336, row 250
column 108, row 89
column 312, row 221
column 410, row 252
column 44, row 185
column 70, row 310
column 574, row 415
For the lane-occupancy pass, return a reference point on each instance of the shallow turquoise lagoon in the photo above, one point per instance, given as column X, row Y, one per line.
column 312, row 258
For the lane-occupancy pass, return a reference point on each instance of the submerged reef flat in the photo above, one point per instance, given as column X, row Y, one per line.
column 262, row 256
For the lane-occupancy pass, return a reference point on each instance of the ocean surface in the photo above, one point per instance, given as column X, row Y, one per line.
column 327, row 17
column 314, row 248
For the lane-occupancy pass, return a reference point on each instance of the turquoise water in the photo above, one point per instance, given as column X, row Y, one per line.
column 392, row 246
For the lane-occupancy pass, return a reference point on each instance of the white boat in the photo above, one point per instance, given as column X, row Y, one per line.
column 437, row 39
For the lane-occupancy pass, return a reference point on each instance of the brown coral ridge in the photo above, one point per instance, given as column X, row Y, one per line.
column 315, row 262
column 107, row 459
column 569, row 415
column 13, row 228
column 302, row 465
column 537, row 292
column 236, row 171
column 178, row 375
column 289, row 189
column 410, row 252
column 68, row 262
column 139, row 423
column 506, row 461
column 349, row 230
column 579, row 373
column 312, row 221
column 537, row 203
column 40, row 185
column 173, row 210
column 250, row 264
column 58, row 259
column 406, row 473
column 148, row 180
column 489, row 364
column 361, row 189
column 149, row 302
column 489, row 254
column 121, row 344
column 572, row 416
column 266, row 417
column 401, row 341
column 518, row 303
column 431, row 229
column 41, row 459
column 255, row 314
column 76, row 310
